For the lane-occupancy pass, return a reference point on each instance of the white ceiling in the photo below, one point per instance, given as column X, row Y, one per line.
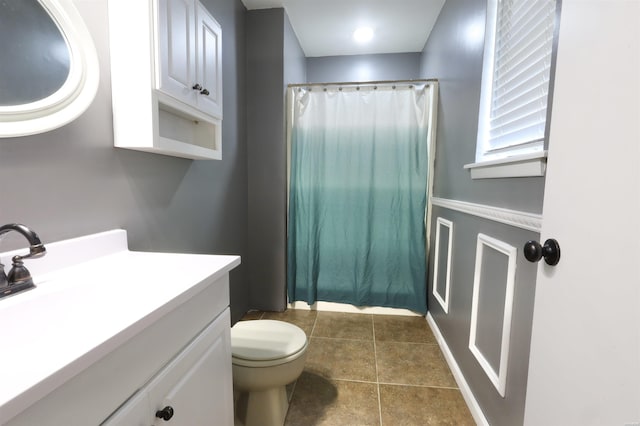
column 325, row 27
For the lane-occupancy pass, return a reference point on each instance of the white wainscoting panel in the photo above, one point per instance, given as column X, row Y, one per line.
column 498, row 378
column 437, row 273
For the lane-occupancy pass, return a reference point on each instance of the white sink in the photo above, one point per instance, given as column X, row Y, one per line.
column 92, row 294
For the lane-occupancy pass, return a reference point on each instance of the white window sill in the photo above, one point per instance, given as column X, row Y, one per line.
column 517, row 166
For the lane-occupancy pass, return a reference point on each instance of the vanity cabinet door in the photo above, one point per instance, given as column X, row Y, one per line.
column 208, row 62
column 136, row 412
column 195, row 388
column 197, row 384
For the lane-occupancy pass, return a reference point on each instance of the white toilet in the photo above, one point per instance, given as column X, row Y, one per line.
column 266, row 356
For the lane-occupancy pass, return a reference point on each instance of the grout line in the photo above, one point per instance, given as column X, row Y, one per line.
column 418, row 386
column 313, row 328
column 338, row 379
column 409, row 343
column 375, row 358
column 335, row 379
column 293, row 390
column 388, row 383
column 341, row 338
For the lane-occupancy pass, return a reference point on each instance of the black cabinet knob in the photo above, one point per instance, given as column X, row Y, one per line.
column 196, row 87
column 204, row 92
column 165, row 414
column 533, row 251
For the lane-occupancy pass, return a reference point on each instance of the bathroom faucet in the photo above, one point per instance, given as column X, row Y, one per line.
column 19, row 278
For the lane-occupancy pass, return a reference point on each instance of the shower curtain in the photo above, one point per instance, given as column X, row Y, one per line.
column 357, row 195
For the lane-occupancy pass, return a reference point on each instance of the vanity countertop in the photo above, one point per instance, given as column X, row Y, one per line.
column 92, row 294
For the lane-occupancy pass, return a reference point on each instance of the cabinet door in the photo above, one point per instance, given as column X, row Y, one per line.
column 176, row 49
column 135, row 412
column 209, row 62
column 198, row 383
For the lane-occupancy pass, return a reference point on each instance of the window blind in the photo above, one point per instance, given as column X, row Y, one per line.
column 521, row 68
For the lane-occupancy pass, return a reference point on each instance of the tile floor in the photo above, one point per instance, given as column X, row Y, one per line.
column 371, row 370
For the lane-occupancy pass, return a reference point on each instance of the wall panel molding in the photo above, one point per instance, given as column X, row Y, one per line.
column 498, row 378
column 518, row 219
column 443, row 300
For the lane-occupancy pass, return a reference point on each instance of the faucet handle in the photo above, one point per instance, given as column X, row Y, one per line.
column 3, row 278
column 19, row 274
column 18, row 279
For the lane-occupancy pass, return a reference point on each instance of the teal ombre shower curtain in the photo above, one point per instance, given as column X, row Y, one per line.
column 357, row 195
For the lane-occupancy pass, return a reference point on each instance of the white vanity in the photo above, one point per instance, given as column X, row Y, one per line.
column 116, row 337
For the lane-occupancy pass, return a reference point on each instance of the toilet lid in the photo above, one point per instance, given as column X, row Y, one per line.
column 264, row 340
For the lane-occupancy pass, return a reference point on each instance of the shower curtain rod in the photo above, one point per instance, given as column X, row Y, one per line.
column 364, row 83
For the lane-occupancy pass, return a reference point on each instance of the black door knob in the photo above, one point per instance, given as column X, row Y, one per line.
column 165, row 414
column 533, row 251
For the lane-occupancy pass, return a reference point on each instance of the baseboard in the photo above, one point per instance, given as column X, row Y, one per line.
column 344, row 307
column 473, row 405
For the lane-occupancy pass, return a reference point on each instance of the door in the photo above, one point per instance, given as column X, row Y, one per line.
column 197, row 385
column 584, row 363
column 136, row 412
column 176, row 48
column 209, row 62
column 195, row 388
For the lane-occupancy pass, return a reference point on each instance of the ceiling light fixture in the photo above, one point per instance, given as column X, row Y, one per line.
column 363, row 34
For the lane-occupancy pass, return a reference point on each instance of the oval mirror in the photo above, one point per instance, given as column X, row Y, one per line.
column 49, row 71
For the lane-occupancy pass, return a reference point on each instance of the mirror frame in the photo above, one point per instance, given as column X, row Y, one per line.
column 77, row 92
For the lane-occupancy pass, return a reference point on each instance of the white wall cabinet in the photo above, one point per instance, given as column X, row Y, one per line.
column 166, row 77
column 194, row 387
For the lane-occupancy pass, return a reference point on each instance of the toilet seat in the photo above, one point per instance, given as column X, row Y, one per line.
column 266, row 343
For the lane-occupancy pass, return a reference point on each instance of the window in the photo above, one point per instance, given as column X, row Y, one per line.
column 515, row 79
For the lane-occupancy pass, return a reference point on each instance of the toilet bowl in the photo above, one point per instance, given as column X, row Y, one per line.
column 266, row 356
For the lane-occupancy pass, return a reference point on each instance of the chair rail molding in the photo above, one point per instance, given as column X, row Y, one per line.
column 518, row 219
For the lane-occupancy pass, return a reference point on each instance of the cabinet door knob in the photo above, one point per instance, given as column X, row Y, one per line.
column 533, row 251
column 196, row 87
column 204, row 92
column 165, row 414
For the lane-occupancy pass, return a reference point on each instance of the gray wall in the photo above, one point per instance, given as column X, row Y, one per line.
column 456, row 61
column 274, row 59
column 295, row 63
column 72, row 181
column 392, row 66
